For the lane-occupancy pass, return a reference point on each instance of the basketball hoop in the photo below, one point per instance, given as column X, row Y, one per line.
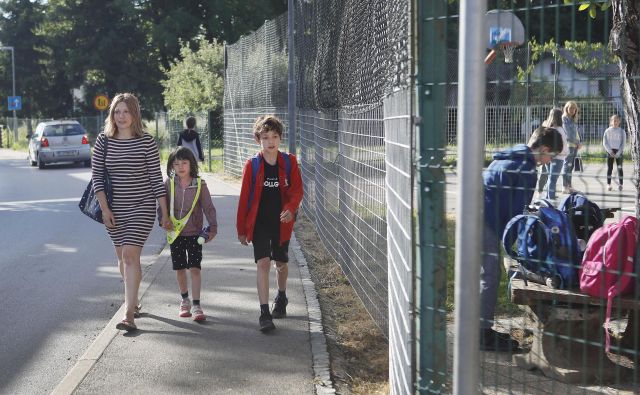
column 505, row 33
column 507, row 50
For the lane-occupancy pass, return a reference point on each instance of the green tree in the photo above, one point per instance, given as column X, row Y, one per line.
column 103, row 48
column 173, row 22
column 196, row 82
column 17, row 21
column 110, row 47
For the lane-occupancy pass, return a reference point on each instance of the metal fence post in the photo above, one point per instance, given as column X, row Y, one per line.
column 431, row 271
column 471, row 97
column 292, row 78
column 209, row 133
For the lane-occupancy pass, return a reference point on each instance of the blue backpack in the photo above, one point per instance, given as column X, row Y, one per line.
column 543, row 242
column 255, row 166
column 585, row 216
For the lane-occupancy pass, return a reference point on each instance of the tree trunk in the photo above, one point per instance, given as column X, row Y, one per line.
column 625, row 43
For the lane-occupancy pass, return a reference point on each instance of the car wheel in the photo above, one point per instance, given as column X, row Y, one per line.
column 41, row 164
column 87, row 163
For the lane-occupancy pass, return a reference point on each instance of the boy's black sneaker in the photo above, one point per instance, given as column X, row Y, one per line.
column 266, row 323
column 280, row 308
column 491, row 340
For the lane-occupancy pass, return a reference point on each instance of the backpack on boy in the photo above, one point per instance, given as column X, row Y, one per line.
column 608, row 264
column 543, row 242
column 585, row 215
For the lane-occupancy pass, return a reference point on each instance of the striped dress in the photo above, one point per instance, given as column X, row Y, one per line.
column 134, row 170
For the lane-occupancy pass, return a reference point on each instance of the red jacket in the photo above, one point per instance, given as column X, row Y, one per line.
column 291, row 197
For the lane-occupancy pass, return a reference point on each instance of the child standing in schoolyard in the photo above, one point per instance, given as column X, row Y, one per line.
column 613, row 141
column 509, row 182
column 551, row 171
column 270, row 195
column 189, row 199
column 569, row 119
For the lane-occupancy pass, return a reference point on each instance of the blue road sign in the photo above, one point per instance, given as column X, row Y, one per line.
column 15, row 103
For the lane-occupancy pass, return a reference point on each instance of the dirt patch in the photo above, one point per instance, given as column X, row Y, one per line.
column 358, row 351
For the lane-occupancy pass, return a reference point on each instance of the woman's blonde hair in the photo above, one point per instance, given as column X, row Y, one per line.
column 615, row 117
column 133, row 105
column 569, row 105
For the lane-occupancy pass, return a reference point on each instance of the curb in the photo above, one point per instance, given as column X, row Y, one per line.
column 322, row 380
column 322, row 373
column 85, row 363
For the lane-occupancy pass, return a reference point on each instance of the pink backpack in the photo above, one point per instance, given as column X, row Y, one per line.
column 607, row 265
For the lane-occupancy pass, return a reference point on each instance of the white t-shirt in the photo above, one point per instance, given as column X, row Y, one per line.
column 565, row 145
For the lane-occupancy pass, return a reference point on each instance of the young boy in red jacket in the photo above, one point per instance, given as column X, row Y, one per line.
column 270, row 195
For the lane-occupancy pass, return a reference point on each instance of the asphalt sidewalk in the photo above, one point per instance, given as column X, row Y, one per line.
column 224, row 354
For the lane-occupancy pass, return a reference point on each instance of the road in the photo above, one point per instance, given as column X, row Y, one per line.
column 59, row 281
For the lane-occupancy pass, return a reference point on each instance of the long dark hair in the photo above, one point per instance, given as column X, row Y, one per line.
column 554, row 119
column 182, row 153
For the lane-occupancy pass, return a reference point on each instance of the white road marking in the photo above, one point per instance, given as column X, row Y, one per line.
column 30, row 204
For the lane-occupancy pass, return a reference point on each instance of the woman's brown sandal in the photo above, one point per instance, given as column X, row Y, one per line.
column 126, row 325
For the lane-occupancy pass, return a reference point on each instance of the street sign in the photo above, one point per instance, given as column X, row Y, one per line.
column 15, row 103
column 101, row 102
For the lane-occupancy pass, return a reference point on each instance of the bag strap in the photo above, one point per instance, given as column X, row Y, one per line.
column 179, row 224
column 105, row 149
column 511, row 232
column 255, row 166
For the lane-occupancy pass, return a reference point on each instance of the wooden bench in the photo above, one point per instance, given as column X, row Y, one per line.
column 568, row 335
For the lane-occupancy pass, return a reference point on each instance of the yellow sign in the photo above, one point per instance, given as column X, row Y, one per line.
column 101, row 102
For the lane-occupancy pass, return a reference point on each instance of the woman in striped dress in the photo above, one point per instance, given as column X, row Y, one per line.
column 133, row 165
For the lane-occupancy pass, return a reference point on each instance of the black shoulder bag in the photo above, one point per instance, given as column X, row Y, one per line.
column 89, row 204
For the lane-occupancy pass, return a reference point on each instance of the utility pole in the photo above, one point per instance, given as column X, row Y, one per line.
column 13, row 78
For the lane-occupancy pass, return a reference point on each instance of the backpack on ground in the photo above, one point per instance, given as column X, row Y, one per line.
column 543, row 242
column 608, row 264
column 585, row 215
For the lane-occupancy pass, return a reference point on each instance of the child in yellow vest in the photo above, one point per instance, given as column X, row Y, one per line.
column 189, row 201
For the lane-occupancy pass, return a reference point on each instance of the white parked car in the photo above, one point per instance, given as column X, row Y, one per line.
column 59, row 141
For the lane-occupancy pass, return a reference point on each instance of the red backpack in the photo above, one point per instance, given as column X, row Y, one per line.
column 607, row 265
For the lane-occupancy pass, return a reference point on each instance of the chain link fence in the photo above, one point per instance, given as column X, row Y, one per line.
column 358, row 143
column 350, row 56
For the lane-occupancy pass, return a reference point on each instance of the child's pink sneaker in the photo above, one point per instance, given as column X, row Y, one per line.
column 198, row 314
column 185, row 308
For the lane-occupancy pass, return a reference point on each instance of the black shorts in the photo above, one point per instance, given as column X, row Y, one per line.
column 186, row 247
column 267, row 244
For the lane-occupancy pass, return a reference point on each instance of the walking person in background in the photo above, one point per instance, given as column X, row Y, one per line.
column 613, row 142
column 269, row 198
column 550, row 172
column 189, row 199
column 189, row 138
column 133, row 164
column 569, row 119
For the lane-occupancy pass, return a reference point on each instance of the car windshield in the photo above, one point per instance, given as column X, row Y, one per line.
column 63, row 130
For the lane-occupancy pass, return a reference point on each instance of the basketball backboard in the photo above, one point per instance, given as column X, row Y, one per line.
column 504, row 32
